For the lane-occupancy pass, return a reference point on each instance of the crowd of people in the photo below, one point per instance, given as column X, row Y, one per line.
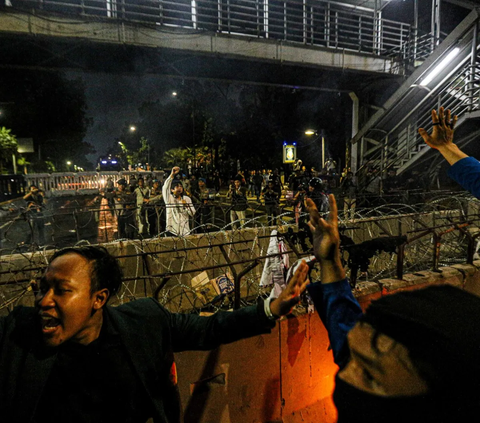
column 412, row 357
column 146, row 206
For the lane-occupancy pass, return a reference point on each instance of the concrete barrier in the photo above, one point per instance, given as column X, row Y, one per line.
column 288, row 375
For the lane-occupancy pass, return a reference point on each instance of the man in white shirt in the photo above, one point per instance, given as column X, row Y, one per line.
column 142, row 194
column 179, row 207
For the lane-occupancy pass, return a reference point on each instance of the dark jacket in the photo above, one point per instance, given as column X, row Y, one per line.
column 150, row 333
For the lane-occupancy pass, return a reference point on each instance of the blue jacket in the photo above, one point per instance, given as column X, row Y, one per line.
column 339, row 311
column 467, row 173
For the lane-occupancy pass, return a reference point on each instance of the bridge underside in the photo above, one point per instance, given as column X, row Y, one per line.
column 30, row 41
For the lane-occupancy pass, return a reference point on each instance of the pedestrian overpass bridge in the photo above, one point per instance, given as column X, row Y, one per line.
column 338, row 35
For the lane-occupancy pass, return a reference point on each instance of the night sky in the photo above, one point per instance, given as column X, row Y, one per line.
column 113, row 99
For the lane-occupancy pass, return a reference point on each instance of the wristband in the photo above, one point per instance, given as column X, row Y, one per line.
column 268, row 311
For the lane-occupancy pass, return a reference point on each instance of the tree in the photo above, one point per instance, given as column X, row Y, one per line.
column 8, row 146
column 51, row 109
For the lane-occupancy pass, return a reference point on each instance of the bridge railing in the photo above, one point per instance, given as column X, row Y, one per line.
column 74, row 181
column 328, row 24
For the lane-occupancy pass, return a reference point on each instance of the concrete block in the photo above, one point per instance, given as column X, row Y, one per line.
column 366, row 288
column 366, row 292
column 236, row 383
column 472, row 283
column 416, row 279
column 307, row 368
column 466, row 269
column 452, row 276
column 391, row 285
column 431, row 277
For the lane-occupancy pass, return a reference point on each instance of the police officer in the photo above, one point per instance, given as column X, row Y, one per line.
column 125, row 206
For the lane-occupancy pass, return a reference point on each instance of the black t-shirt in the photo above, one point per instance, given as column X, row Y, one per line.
column 94, row 383
column 270, row 196
column 239, row 199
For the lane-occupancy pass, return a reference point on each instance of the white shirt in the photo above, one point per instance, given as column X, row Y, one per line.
column 178, row 210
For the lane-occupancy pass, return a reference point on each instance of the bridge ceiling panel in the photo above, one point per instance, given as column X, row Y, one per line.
column 41, row 53
column 323, row 33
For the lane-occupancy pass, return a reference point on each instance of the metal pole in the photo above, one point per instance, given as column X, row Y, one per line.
column 415, row 31
column 323, row 152
column 354, row 147
column 14, row 161
column 473, row 65
column 193, row 138
column 238, row 280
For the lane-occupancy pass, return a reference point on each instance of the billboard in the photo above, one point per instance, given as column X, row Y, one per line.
column 289, row 152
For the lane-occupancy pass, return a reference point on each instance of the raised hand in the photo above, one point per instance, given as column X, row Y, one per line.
column 290, row 296
column 326, row 241
column 443, row 129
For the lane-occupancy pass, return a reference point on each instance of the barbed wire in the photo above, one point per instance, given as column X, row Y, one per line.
column 163, row 266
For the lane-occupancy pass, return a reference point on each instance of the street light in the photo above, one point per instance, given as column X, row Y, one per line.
column 310, row 132
column 174, row 94
column 440, row 67
column 133, row 128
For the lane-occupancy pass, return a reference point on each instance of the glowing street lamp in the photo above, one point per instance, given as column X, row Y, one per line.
column 442, row 65
column 133, row 128
column 310, row 132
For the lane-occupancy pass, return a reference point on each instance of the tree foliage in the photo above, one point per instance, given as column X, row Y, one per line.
column 51, row 109
column 8, row 146
column 228, row 122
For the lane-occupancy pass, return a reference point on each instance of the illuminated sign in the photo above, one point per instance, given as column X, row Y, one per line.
column 289, row 153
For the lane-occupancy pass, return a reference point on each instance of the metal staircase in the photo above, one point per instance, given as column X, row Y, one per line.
column 390, row 139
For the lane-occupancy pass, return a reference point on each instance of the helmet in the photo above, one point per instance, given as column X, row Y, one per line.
column 316, row 183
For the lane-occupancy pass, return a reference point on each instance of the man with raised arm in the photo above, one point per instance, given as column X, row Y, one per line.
column 412, row 357
column 72, row 358
column 179, row 207
column 464, row 169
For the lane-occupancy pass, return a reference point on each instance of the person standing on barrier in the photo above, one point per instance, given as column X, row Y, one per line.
column 238, row 194
column 179, row 207
column 142, row 195
column 412, row 357
column 109, row 364
column 35, row 208
column 125, row 204
column 464, row 169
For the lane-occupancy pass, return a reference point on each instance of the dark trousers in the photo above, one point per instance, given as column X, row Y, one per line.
column 272, row 213
column 126, row 224
column 37, row 225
